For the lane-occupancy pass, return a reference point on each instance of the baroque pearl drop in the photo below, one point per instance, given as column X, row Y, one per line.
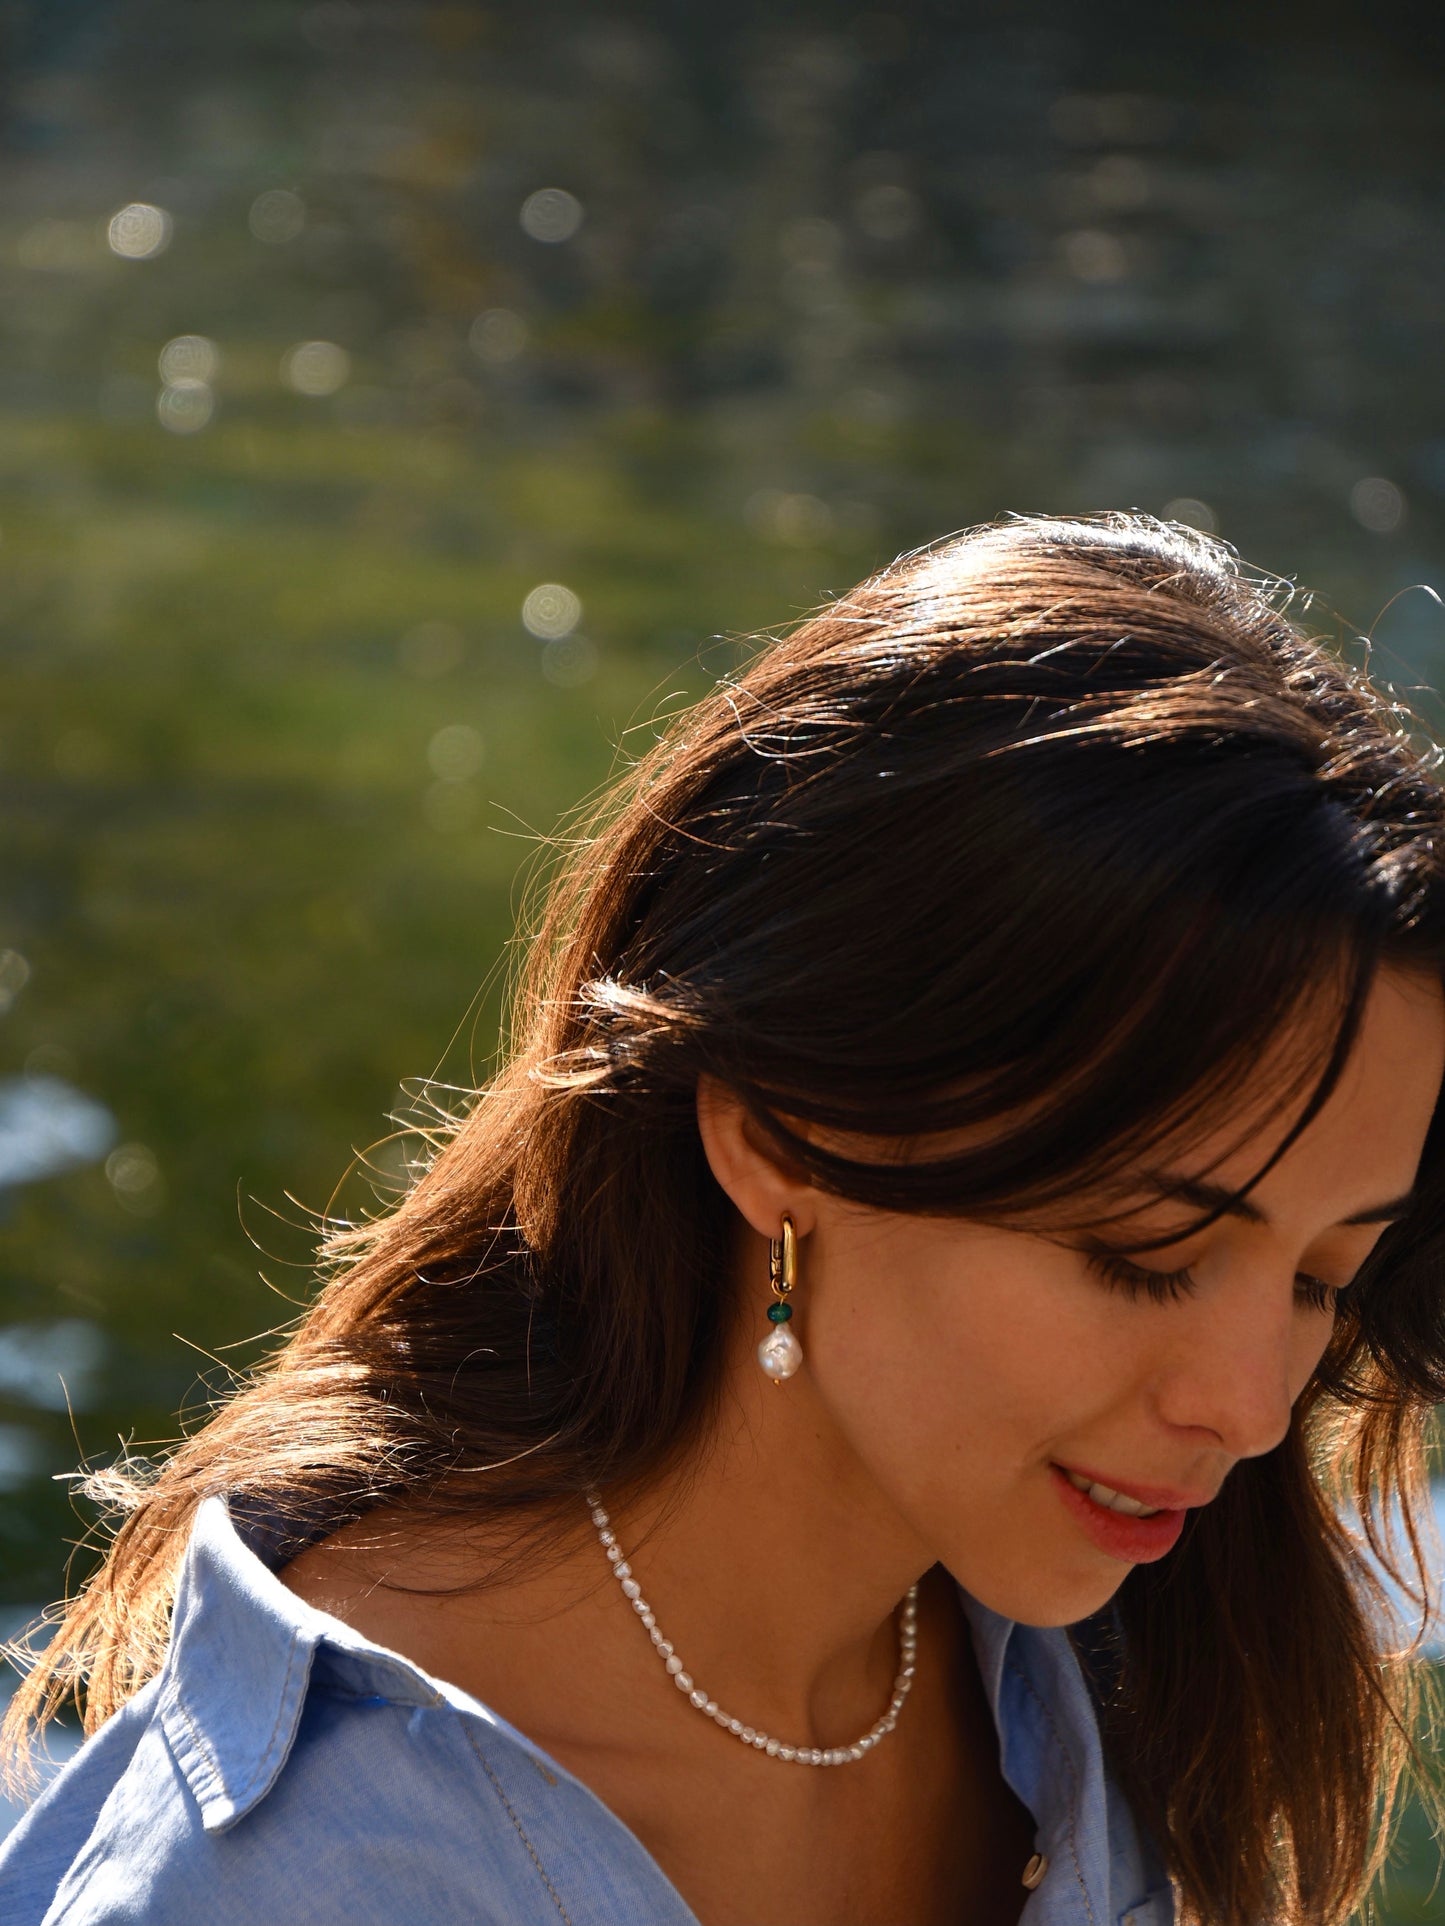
column 780, row 1353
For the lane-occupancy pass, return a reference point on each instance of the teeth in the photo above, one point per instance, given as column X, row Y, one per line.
column 1111, row 1500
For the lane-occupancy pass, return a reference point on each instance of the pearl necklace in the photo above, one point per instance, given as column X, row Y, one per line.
column 773, row 1748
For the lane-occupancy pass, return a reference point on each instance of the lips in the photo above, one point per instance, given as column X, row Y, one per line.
column 1138, row 1530
column 1109, row 1498
column 1152, row 1497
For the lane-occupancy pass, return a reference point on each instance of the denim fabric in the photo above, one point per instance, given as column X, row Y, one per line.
column 282, row 1769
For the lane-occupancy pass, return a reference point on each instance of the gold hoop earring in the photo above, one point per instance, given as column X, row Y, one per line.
column 780, row 1353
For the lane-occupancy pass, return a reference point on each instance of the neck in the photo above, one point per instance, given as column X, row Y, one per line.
column 771, row 1565
column 772, row 1562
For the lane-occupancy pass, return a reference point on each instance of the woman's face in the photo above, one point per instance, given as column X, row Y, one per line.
column 979, row 1377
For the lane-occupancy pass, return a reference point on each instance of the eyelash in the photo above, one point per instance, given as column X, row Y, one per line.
column 1168, row 1287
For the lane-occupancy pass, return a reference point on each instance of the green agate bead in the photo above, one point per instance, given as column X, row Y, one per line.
column 779, row 1313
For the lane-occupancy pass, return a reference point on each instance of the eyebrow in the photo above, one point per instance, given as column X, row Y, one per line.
column 1217, row 1197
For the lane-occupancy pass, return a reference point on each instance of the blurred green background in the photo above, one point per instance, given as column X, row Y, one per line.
column 401, row 407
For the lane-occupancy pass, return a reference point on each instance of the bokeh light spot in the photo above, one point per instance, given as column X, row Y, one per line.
column 551, row 215
column 1193, row 513
column 189, row 357
column 498, row 336
column 185, row 406
column 1377, row 504
column 569, row 661
column 139, row 231
column 1095, row 256
column 551, row 611
column 277, row 216
column 135, row 1177
column 315, row 367
column 455, row 752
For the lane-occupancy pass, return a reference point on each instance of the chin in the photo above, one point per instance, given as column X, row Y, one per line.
column 1044, row 1598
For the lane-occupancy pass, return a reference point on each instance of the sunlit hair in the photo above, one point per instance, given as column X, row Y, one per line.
column 1048, row 835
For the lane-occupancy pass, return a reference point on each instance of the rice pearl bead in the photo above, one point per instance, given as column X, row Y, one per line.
column 750, row 1735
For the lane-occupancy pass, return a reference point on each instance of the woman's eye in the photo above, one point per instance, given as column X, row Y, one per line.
column 1162, row 1286
column 1318, row 1295
column 1165, row 1287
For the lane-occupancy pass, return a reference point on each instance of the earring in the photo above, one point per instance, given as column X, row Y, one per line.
column 780, row 1353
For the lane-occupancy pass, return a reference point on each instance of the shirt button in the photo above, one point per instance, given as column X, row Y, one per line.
column 1034, row 1871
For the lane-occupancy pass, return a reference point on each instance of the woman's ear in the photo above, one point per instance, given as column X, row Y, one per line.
column 746, row 1167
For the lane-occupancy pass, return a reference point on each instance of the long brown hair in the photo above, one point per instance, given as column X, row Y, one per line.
column 1055, row 827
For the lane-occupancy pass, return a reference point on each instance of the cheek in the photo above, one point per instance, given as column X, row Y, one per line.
column 957, row 1392
column 993, row 1346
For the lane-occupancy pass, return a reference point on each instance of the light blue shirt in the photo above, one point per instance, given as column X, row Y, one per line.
column 282, row 1769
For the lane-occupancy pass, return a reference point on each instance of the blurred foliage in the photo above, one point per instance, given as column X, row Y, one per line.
column 249, row 904
column 329, row 332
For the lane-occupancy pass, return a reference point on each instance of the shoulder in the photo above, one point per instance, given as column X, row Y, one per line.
column 375, row 1818
column 282, row 1768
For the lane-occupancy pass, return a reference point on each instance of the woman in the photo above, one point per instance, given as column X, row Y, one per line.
column 852, row 1425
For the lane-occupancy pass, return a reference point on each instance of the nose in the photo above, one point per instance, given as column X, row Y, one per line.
column 1235, row 1370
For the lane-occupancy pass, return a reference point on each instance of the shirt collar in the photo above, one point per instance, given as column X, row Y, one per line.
column 244, row 1649
column 241, row 1656
column 1050, row 1753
